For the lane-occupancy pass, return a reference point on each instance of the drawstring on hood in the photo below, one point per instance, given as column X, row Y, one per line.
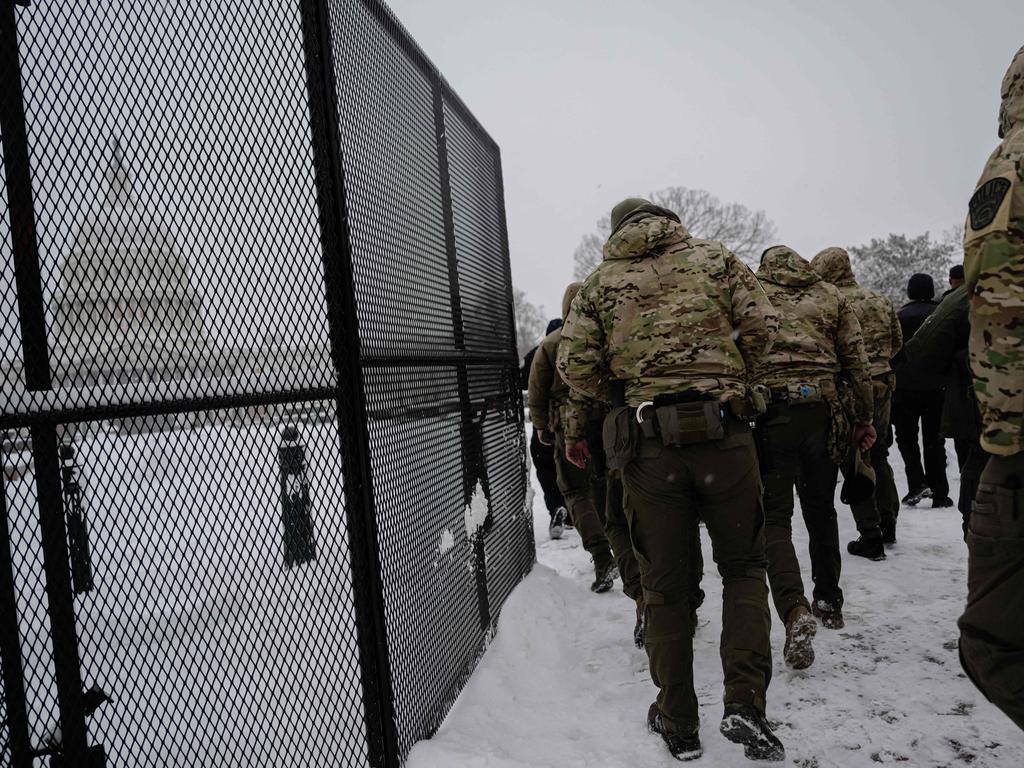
column 784, row 266
column 833, row 264
column 1011, row 108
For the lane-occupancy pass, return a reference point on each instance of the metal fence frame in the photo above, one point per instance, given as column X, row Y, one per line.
column 350, row 364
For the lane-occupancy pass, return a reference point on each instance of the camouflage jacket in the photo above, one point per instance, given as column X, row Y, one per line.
column 547, row 393
column 878, row 322
column 819, row 334
column 994, row 272
column 665, row 313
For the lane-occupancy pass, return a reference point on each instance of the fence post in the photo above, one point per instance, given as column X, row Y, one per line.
column 472, row 448
column 66, row 660
column 360, row 514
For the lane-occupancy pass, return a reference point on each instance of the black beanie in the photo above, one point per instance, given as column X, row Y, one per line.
column 554, row 325
column 957, row 272
column 921, row 287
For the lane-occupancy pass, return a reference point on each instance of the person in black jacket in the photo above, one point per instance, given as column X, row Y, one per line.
column 940, row 348
column 918, row 399
column 544, row 455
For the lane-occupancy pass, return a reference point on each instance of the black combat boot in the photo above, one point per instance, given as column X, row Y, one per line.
column 830, row 615
column 869, row 545
column 800, row 630
column 889, row 533
column 557, row 524
column 742, row 724
column 915, row 495
column 604, row 575
column 942, row 503
column 682, row 746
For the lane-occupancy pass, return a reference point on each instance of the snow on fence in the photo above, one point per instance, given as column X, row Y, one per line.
column 262, row 469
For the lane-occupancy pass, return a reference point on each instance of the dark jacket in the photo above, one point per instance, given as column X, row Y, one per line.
column 939, row 348
column 910, row 377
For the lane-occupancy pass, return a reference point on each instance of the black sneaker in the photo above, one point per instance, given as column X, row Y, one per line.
column 557, row 525
column 889, row 534
column 683, row 747
column 830, row 616
column 742, row 724
column 869, row 545
column 942, row 503
column 604, row 577
column 915, row 495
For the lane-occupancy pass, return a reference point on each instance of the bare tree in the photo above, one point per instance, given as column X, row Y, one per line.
column 530, row 322
column 886, row 265
column 746, row 233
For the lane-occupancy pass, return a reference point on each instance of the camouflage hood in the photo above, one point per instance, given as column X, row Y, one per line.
column 643, row 235
column 833, row 264
column 1011, row 109
column 784, row 266
column 570, row 293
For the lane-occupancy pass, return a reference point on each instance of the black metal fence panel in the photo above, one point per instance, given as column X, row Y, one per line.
column 263, row 480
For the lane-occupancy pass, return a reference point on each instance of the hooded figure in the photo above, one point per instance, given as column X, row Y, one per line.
column 882, row 340
column 678, row 323
column 819, row 339
column 991, row 631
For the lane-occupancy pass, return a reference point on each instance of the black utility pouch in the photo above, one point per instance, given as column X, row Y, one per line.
column 688, row 423
column 620, row 435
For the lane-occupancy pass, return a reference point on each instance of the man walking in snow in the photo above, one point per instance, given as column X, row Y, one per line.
column 678, row 321
column 544, row 455
column 819, row 340
column 880, row 328
column 547, row 398
column 918, row 400
column 991, row 628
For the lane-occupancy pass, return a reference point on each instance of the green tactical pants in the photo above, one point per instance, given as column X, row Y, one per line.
column 882, row 509
column 665, row 490
column 992, row 627
column 584, row 496
column 617, row 528
column 793, row 449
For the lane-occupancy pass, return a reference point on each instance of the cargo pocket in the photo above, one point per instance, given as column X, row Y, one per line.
column 620, row 436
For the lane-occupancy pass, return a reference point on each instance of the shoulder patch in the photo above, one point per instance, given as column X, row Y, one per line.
column 986, row 201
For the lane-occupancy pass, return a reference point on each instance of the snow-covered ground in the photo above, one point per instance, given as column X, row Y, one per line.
column 563, row 686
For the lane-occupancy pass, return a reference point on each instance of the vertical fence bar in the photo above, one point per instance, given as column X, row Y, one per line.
column 64, row 635
column 20, row 206
column 10, row 646
column 360, row 512
column 67, row 663
column 472, row 451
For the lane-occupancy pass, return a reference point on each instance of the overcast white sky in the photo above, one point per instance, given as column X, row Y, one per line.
column 842, row 120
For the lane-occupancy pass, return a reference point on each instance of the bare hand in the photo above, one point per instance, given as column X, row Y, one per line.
column 864, row 436
column 578, row 453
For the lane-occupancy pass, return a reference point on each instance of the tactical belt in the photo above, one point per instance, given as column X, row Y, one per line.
column 801, row 392
column 687, row 422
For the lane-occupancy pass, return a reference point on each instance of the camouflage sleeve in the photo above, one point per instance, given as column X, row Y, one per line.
column 581, row 354
column 755, row 322
column 542, row 375
column 853, row 362
column 994, row 266
column 576, row 414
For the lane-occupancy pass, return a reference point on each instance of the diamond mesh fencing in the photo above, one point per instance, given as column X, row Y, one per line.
column 263, row 480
